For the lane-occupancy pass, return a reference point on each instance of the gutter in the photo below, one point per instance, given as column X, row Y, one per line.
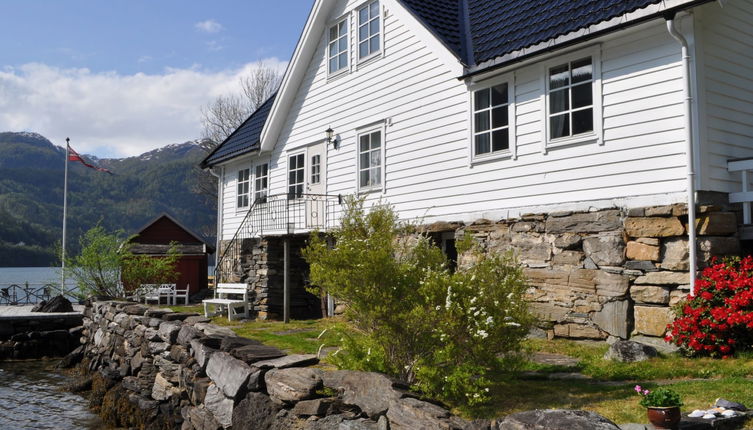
column 687, row 125
column 219, row 212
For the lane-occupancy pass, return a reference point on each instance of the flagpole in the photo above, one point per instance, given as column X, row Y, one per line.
column 65, row 210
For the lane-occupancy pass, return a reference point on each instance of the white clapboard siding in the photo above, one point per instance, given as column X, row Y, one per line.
column 727, row 66
column 428, row 171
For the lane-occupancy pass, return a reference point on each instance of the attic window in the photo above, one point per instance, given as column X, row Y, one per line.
column 338, row 47
column 369, row 29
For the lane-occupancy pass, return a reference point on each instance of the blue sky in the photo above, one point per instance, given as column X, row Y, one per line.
column 123, row 77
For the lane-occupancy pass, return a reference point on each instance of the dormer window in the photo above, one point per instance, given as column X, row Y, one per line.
column 338, row 47
column 369, row 29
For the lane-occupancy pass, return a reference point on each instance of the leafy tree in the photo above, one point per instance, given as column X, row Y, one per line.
column 440, row 331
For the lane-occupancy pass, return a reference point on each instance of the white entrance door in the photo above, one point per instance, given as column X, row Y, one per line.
column 316, row 186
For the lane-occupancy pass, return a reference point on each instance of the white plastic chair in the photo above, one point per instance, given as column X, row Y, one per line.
column 181, row 294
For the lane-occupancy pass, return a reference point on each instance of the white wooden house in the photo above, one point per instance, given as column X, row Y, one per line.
column 460, row 110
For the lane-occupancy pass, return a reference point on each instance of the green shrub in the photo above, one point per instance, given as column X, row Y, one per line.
column 440, row 331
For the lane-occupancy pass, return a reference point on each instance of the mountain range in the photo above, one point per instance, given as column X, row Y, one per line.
column 141, row 187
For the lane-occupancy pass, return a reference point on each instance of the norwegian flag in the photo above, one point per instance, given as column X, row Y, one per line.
column 73, row 156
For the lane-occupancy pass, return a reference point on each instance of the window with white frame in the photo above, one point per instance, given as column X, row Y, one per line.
column 369, row 29
column 316, row 169
column 570, row 99
column 261, row 182
column 491, row 120
column 370, row 149
column 296, row 175
column 338, row 47
column 243, row 188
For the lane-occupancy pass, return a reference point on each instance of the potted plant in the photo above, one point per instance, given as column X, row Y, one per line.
column 662, row 406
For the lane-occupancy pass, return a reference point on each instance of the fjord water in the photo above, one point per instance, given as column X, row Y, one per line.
column 32, row 397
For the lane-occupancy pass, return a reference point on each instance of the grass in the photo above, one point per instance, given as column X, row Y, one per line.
column 607, row 388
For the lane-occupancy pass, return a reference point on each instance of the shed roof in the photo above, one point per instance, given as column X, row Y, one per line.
column 164, row 229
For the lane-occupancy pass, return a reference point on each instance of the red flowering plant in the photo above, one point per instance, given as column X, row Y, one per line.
column 719, row 319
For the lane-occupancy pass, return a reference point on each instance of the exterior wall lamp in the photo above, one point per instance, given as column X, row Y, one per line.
column 331, row 138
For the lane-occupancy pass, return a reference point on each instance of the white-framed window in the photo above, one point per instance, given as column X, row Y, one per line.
column 316, row 169
column 337, row 48
column 243, row 187
column 371, row 158
column 296, row 175
column 573, row 112
column 369, row 30
column 261, row 182
column 493, row 118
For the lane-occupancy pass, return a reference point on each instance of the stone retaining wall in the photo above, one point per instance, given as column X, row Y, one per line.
column 156, row 369
column 39, row 336
column 610, row 272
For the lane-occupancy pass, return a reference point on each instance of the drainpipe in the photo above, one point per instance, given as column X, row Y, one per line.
column 672, row 28
column 219, row 220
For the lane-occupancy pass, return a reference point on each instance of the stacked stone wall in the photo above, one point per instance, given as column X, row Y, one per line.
column 611, row 272
column 155, row 369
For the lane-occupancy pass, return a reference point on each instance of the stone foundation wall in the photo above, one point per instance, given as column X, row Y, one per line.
column 156, row 369
column 609, row 272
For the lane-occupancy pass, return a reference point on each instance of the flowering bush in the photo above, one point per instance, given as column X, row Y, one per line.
column 719, row 319
column 443, row 332
column 658, row 398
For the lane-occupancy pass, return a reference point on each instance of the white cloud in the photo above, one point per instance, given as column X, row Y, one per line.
column 209, row 26
column 108, row 114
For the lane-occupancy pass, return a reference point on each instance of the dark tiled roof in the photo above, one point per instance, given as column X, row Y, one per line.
column 498, row 27
column 244, row 139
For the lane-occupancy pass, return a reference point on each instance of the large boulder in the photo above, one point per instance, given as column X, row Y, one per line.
column 410, row 413
column 628, row 351
column 56, row 304
column 229, row 373
column 371, row 392
column 219, row 405
column 556, row 419
column 255, row 412
column 292, row 385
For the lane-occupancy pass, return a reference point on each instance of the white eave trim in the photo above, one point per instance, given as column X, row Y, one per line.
column 550, row 44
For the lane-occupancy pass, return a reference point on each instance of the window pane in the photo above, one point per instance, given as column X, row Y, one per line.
column 500, row 140
column 482, row 144
column 376, row 176
column 292, row 161
column 291, row 177
column 374, row 44
column 333, row 65
column 559, row 101
column 499, row 117
column 363, row 15
column 364, row 142
column 582, row 95
column 364, row 178
column 343, row 28
column 364, row 160
column 559, row 126
column 343, row 60
column 333, row 33
column 374, row 9
column 363, row 32
column 343, row 44
column 374, row 26
column 583, row 121
column 299, row 176
column 375, row 158
column 482, row 121
column 499, row 95
column 376, row 140
column 582, row 70
column 363, row 49
column 559, row 76
column 333, row 49
column 481, row 99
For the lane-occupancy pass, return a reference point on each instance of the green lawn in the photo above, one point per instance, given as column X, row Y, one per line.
column 607, row 387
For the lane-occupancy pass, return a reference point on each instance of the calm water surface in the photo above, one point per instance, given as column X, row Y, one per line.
column 32, row 397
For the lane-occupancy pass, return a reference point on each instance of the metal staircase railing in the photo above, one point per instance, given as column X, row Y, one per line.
column 280, row 214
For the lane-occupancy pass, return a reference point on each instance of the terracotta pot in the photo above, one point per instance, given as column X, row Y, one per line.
column 664, row 418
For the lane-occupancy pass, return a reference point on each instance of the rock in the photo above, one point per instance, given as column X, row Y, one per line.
column 202, row 419
column 157, row 313
column 211, row 329
column 727, row 404
column 716, row 224
column 317, row 407
column 55, row 304
column 652, row 320
column 201, row 352
column 169, row 330
column 662, row 278
column 568, row 241
column 642, row 251
column 219, row 405
column 253, row 353
column 613, row 318
column 178, row 316
column 644, row 266
column 629, row 352
column 230, row 343
column 357, row 424
column 196, row 319
column 611, row 285
column 410, row 414
column 676, row 296
column 292, row 385
column 658, row 211
column 186, row 334
column 712, row 246
column 163, row 389
column 578, row 331
column 607, row 250
column 650, row 294
column 556, row 419
column 255, row 412
column 135, row 309
column 228, row 373
column 371, row 392
column 634, row 426
column 568, row 258
column 295, row 360
column 653, row 227
column 548, row 311
column 589, row 222
column 674, row 254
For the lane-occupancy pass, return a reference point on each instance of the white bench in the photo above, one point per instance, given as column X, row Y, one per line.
column 236, row 307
